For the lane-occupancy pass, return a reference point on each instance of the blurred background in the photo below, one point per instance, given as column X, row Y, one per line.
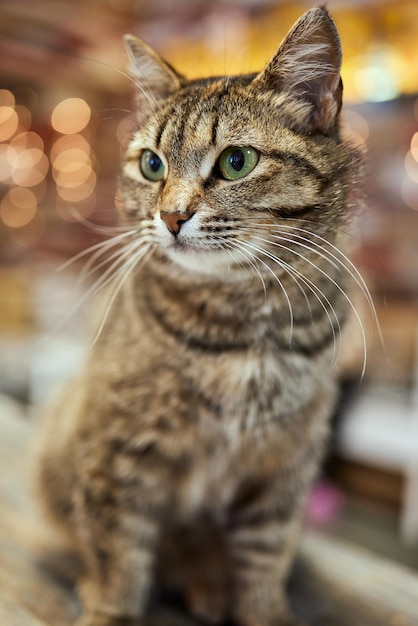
column 65, row 111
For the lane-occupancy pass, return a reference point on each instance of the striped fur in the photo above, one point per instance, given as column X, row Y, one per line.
column 184, row 451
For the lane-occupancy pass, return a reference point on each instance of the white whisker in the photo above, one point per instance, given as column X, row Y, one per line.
column 90, row 267
column 115, row 109
column 110, row 274
column 125, row 271
column 120, row 255
column 334, row 282
column 323, row 300
column 98, row 228
column 286, row 266
column 235, row 246
column 318, row 294
column 102, row 246
column 352, row 270
column 289, row 304
column 344, row 262
column 277, row 234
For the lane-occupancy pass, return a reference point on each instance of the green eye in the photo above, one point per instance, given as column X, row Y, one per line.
column 152, row 167
column 236, row 162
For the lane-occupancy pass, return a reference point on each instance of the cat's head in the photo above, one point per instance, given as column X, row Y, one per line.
column 217, row 163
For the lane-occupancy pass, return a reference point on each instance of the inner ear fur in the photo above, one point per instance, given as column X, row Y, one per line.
column 308, row 65
column 154, row 77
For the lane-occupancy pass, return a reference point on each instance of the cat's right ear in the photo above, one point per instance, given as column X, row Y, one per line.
column 153, row 76
column 307, row 65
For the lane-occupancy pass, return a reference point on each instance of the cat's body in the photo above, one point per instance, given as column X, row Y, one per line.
column 186, row 448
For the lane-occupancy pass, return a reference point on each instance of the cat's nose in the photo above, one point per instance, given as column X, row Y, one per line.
column 174, row 220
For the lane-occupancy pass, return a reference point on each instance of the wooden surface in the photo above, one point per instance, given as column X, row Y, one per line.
column 333, row 584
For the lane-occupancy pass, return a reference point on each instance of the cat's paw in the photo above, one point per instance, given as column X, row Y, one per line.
column 209, row 605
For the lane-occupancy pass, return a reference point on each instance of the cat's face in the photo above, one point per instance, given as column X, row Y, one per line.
column 217, row 163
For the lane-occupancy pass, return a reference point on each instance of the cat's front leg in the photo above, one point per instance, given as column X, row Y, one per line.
column 261, row 552
column 117, row 540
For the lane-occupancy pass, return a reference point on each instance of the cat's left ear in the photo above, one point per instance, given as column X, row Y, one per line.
column 154, row 77
column 308, row 65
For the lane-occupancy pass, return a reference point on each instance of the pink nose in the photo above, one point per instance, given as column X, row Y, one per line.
column 174, row 220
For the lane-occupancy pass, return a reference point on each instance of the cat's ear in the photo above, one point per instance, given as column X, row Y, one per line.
column 308, row 65
column 154, row 77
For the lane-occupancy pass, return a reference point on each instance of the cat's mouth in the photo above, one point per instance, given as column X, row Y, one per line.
column 193, row 250
column 184, row 244
column 195, row 256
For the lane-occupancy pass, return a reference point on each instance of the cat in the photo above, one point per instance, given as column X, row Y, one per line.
column 184, row 452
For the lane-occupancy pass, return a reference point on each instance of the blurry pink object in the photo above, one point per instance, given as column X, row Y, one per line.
column 324, row 504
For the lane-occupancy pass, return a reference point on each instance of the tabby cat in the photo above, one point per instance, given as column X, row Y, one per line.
column 184, row 452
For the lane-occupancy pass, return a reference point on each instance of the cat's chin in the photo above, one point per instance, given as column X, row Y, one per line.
column 215, row 263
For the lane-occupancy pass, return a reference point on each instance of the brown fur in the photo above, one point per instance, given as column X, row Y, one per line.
column 185, row 449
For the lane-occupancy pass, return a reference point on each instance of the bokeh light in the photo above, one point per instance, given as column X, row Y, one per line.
column 414, row 146
column 73, row 170
column 411, row 166
column 29, row 166
column 25, row 117
column 18, row 207
column 7, row 98
column 27, row 139
column 377, row 74
column 75, row 175
column 23, row 170
column 9, row 122
column 67, row 142
column 5, row 168
column 409, row 192
column 79, row 192
column 71, row 116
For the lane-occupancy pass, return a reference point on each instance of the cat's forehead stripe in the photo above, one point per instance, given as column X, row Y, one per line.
column 198, row 116
column 160, row 130
column 169, row 115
